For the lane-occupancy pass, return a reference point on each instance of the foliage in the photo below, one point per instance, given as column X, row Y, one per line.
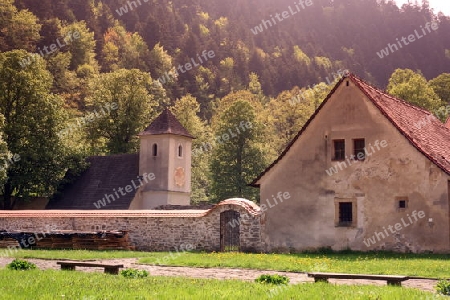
column 123, row 49
column 19, row 28
column 134, row 273
column 272, row 279
column 414, row 88
column 267, row 69
column 443, row 287
column 21, row 265
column 441, row 86
column 5, row 155
column 186, row 110
column 33, row 118
column 238, row 157
column 82, row 49
column 116, row 130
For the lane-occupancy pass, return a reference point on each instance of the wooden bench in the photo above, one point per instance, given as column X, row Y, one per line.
column 70, row 265
column 391, row 279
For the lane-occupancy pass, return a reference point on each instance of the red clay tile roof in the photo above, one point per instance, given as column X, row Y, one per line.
column 251, row 207
column 248, row 205
column 166, row 123
column 101, row 213
column 448, row 122
column 423, row 130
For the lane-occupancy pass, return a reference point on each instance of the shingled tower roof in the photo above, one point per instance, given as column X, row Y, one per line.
column 166, row 123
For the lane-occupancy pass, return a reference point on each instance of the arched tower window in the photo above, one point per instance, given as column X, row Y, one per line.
column 180, row 151
column 155, row 150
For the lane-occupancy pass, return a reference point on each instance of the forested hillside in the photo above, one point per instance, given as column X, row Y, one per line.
column 214, row 63
column 333, row 34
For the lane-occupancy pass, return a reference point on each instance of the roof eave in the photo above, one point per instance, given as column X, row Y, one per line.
column 255, row 183
column 411, row 141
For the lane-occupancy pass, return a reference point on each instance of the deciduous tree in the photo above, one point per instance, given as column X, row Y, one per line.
column 33, row 117
column 414, row 88
column 115, row 131
column 238, row 156
column 186, row 110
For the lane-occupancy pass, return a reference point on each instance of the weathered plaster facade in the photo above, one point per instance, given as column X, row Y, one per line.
column 398, row 171
column 165, row 150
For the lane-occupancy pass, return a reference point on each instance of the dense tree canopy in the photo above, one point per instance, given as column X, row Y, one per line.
column 33, row 117
column 113, row 68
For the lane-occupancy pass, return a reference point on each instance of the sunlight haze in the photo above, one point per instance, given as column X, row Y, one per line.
column 437, row 5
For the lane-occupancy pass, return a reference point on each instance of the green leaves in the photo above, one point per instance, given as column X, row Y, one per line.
column 134, row 273
column 21, row 265
column 238, row 156
column 414, row 88
column 116, row 131
column 272, row 279
column 443, row 287
column 33, row 117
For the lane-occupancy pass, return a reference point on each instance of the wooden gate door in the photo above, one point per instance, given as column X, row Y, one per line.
column 229, row 231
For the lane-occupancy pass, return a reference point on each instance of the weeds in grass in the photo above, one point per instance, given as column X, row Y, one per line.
column 21, row 265
column 272, row 279
column 134, row 273
column 443, row 287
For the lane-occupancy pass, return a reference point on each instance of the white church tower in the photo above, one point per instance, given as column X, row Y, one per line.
column 165, row 150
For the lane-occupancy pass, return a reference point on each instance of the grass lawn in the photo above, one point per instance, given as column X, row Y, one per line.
column 426, row 265
column 55, row 284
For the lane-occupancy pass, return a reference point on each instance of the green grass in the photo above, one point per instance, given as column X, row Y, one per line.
column 55, row 284
column 77, row 254
column 426, row 265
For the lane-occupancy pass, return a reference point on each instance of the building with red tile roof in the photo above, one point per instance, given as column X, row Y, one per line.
column 368, row 171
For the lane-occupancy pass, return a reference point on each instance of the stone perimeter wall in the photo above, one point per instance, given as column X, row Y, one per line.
column 153, row 233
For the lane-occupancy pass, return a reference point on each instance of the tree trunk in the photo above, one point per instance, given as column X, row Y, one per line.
column 7, row 196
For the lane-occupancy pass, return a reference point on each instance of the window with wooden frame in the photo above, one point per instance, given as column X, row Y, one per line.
column 345, row 212
column 338, row 149
column 358, row 149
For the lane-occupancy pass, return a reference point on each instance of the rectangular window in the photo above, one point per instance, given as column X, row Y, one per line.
column 401, row 203
column 358, row 149
column 345, row 213
column 339, row 149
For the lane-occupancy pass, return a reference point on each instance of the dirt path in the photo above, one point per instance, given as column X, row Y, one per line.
column 219, row 273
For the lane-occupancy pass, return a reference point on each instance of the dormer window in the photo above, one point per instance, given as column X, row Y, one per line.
column 155, row 150
column 180, row 151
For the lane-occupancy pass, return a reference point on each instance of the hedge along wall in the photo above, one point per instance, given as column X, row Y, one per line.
column 150, row 230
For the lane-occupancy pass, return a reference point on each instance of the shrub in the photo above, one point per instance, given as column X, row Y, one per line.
column 443, row 287
column 272, row 279
column 134, row 273
column 18, row 264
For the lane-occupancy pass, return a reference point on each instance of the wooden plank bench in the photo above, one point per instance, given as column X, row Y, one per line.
column 70, row 265
column 391, row 279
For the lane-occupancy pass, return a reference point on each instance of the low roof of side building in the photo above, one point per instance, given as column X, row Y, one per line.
column 104, row 176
